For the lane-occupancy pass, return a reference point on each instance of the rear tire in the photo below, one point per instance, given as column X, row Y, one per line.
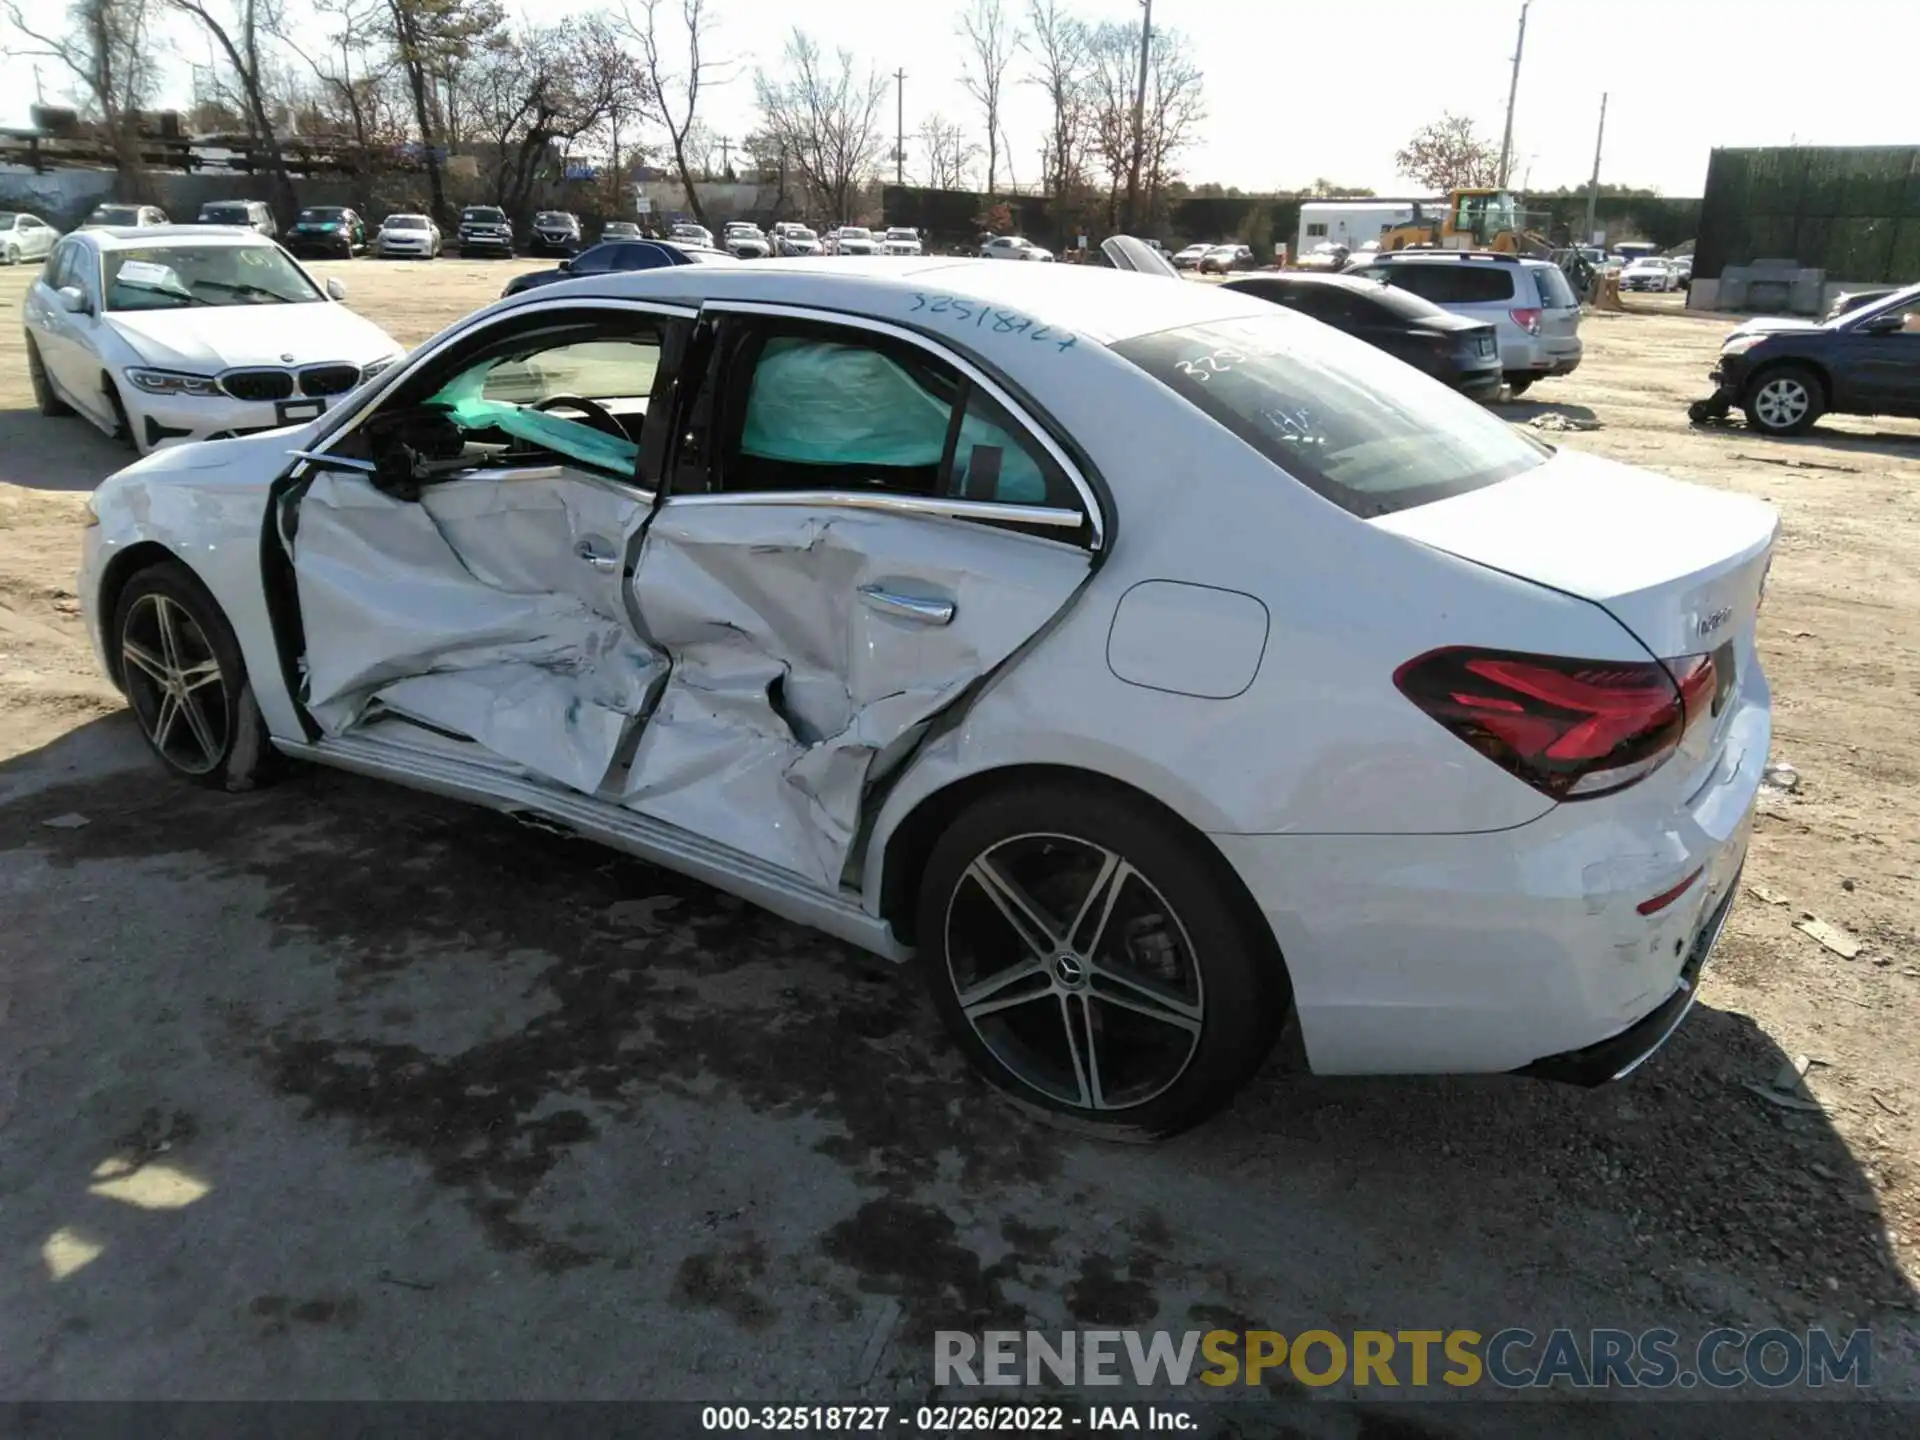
column 185, row 682
column 1784, row 400
column 1091, row 962
column 13, row 254
column 49, row 403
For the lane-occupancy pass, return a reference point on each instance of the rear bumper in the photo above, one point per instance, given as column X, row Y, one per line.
column 1480, row 384
column 1620, row 1055
column 1505, row 951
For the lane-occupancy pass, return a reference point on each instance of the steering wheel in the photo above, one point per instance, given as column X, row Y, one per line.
column 597, row 415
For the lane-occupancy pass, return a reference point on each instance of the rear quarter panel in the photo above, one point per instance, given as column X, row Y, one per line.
column 1320, row 741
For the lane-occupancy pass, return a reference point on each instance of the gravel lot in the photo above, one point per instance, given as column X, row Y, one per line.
column 335, row 1091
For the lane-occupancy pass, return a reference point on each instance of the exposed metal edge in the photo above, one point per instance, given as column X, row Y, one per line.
column 767, row 886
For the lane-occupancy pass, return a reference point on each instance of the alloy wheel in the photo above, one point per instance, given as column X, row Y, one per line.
column 1074, row 972
column 1782, row 403
column 175, row 684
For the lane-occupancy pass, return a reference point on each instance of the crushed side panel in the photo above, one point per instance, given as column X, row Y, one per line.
column 470, row 611
column 788, row 692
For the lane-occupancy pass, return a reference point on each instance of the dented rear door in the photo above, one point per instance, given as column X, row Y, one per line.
column 862, row 530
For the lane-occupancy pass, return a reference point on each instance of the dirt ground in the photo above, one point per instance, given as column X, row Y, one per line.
column 336, row 1091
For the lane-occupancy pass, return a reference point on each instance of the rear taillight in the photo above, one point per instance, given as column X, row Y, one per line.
column 1572, row 729
column 1527, row 320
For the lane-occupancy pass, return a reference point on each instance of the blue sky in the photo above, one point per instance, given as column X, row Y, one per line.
column 1304, row 88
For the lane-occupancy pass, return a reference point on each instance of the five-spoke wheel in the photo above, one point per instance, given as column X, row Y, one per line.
column 180, row 666
column 1784, row 401
column 1092, row 961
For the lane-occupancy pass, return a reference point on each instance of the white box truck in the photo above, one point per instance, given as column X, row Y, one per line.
column 1353, row 223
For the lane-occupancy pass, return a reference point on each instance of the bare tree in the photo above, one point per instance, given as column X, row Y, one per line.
column 1111, row 76
column 1063, row 58
column 237, row 31
column 992, row 38
column 674, row 96
column 431, row 39
column 948, row 152
column 1448, row 154
column 827, row 121
column 106, row 46
column 352, row 78
column 1175, row 110
column 530, row 91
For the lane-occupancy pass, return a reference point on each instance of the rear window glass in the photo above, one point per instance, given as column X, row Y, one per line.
column 1447, row 283
column 1346, row 420
column 1555, row 293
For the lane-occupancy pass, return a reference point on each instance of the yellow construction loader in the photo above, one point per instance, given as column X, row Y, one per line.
column 1473, row 220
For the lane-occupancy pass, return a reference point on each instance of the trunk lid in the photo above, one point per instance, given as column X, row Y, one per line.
column 1679, row 565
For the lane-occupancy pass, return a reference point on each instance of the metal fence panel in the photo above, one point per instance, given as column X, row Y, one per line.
column 1853, row 212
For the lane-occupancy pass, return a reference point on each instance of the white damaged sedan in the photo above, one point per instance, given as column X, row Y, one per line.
column 167, row 334
column 1150, row 665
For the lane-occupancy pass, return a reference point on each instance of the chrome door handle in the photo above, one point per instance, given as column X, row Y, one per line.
column 599, row 559
column 908, row 607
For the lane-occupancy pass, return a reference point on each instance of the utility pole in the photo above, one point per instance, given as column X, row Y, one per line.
column 900, row 127
column 1513, row 92
column 1593, row 185
column 1139, row 115
column 39, row 95
column 726, row 152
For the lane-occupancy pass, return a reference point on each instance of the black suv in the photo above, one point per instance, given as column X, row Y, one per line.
column 555, row 232
column 1786, row 374
column 484, row 230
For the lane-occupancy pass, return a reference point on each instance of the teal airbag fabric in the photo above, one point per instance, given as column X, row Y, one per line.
column 814, row 402
column 465, row 396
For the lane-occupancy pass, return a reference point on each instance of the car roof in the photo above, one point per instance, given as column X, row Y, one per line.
column 1454, row 257
column 1102, row 304
column 1305, row 277
column 144, row 237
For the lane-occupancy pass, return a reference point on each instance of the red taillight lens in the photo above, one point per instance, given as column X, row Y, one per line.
column 1572, row 729
column 1527, row 320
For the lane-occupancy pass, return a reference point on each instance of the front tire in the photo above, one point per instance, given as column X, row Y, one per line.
column 1089, row 960
column 1518, row 385
column 13, row 254
column 1785, row 400
column 185, row 682
column 48, row 402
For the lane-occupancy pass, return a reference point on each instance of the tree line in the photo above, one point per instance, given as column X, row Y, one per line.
column 403, row 86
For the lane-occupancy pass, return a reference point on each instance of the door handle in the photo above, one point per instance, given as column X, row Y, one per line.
column 596, row 557
column 908, row 607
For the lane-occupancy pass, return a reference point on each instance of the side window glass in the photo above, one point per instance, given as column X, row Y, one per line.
column 823, row 413
column 56, row 266
column 994, row 460
column 583, row 402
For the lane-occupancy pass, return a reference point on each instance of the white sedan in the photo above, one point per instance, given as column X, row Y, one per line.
column 1013, row 247
column 166, row 334
column 407, row 237
column 883, row 614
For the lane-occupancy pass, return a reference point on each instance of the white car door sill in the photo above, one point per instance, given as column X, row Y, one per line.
column 497, row 786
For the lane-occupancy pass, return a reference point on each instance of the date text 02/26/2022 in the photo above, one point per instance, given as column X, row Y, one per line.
column 949, row 1419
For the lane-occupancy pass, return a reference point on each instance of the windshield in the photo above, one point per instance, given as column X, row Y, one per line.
column 800, row 232
column 620, row 227
column 856, row 232
column 117, row 215
column 482, row 215
column 1346, row 420
column 226, row 214
column 552, row 217
column 177, row 276
column 326, row 214
column 405, row 222
column 902, row 235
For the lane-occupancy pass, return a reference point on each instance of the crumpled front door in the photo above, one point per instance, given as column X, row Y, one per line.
column 809, row 648
column 492, row 609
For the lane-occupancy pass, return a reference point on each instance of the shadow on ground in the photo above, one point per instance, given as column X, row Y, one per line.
column 1680, row 1193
